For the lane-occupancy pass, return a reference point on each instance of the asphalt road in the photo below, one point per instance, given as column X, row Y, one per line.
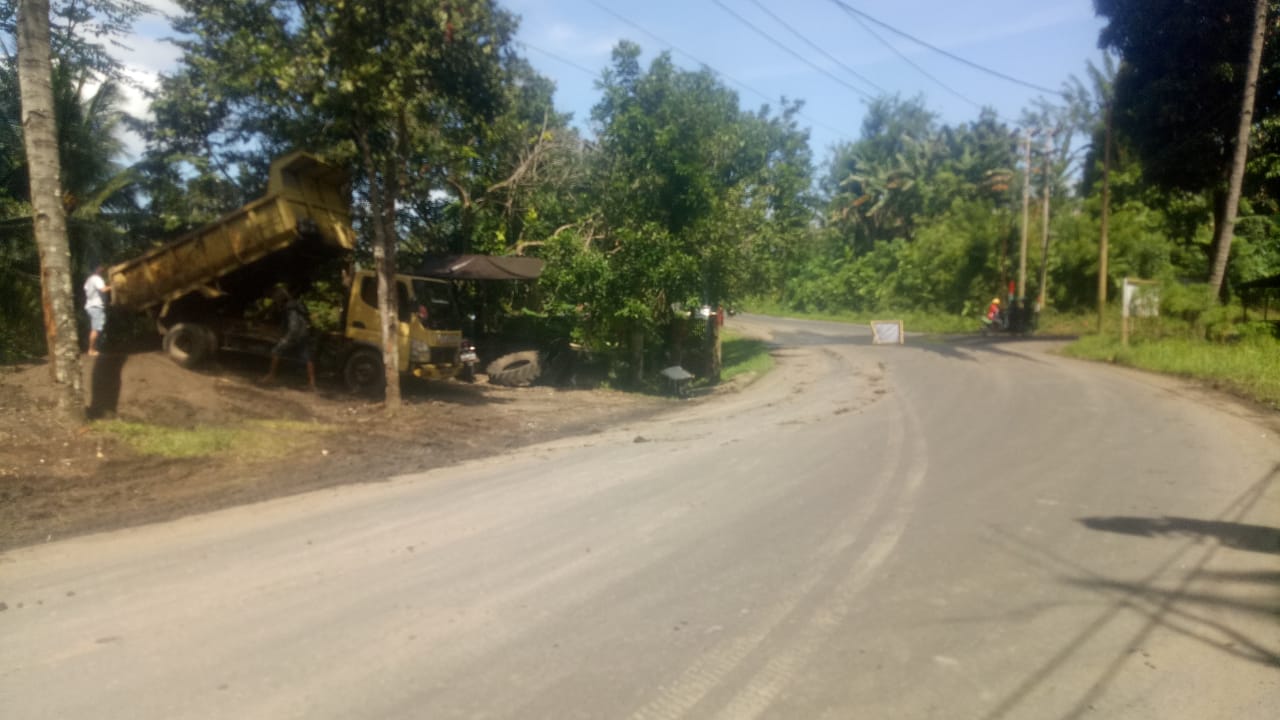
column 965, row 529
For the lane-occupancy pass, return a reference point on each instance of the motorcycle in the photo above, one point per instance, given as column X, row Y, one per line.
column 469, row 359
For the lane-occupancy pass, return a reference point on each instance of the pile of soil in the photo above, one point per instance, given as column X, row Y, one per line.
column 58, row 480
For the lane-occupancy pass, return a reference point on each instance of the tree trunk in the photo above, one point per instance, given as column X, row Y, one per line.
column 1106, row 223
column 384, row 261
column 1225, row 229
column 35, row 72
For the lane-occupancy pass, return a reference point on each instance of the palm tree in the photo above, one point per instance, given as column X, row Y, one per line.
column 35, row 72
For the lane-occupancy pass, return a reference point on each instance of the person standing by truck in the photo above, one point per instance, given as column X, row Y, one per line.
column 95, row 304
column 296, row 340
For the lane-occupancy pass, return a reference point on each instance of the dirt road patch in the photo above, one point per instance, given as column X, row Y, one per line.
column 57, row 481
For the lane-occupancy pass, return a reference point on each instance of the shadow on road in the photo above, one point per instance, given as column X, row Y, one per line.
column 1240, row 536
column 1164, row 608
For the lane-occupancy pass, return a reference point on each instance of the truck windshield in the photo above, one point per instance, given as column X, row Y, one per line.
column 437, row 297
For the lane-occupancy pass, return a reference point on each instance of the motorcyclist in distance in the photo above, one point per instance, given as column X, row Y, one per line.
column 993, row 319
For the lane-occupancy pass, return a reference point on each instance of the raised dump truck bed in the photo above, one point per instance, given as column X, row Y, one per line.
column 305, row 204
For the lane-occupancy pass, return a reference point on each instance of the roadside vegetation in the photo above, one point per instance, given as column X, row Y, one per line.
column 681, row 194
column 255, row 439
column 1249, row 367
column 743, row 355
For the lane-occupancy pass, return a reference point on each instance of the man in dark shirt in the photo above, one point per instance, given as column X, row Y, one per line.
column 296, row 341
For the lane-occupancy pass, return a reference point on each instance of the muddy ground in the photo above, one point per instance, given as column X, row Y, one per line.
column 57, row 481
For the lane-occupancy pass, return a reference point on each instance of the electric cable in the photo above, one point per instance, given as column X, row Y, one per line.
column 982, row 68
column 902, row 56
column 843, row 135
column 817, row 47
column 554, row 56
column 785, row 48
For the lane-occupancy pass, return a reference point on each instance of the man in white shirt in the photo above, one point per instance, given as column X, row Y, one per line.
column 95, row 303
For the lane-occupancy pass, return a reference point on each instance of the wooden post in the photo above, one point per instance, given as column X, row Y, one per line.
column 1044, row 245
column 1106, row 219
column 1026, row 200
column 1124, row 314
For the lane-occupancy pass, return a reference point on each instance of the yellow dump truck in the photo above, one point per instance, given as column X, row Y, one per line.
column 203, row 288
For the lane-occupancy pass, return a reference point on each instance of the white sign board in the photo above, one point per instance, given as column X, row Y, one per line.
column 887, row 332
column 1141, row 298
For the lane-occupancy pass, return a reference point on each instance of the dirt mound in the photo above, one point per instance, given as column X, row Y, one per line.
column 57, row 480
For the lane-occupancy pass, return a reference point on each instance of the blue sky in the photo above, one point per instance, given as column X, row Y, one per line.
column 1040, row 41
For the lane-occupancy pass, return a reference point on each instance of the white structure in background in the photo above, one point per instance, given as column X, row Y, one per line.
column 887, row 332
column 1140, row 298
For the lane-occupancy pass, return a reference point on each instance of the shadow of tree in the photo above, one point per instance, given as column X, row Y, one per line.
column 104, row 384
column 1239, row 536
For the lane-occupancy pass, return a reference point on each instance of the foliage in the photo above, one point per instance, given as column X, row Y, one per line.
column 1179, row 87
column 259, row 439
column 87, row 99
column 744, row 355
column 1250, row 367
column 692, row 199
column 372, row 86
column 81, row 33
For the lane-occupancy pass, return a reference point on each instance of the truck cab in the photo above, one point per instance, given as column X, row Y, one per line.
column 429, row 329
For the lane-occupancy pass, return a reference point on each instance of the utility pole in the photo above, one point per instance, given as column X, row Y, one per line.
column 1228, row 226
column 1106, row 220
column 1026, row 200
column 1044, row 245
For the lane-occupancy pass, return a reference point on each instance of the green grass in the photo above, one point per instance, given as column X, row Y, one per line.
column 739, row 355
column 1250, row 368
column 912, row 321
column 257, row 439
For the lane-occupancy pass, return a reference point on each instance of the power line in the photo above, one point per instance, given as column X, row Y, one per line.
column 982, row 68
column 908, row 61
column 730, row 78
column 816, row 47
column 566, row 61
column 785, row 48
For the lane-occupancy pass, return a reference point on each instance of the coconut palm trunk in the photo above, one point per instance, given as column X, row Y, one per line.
column 35, row 72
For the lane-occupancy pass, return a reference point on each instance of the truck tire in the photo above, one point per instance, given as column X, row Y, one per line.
column 362, row 372
column 211, row 337
column 187, row 344
column 515, row 369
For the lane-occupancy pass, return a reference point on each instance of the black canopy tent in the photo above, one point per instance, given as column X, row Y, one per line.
column 1261, row 286
column 1266, row 283
column 482, row 267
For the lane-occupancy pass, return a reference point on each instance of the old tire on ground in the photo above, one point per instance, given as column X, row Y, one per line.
column 515, row 369
column 187, row 344
column 362, row 372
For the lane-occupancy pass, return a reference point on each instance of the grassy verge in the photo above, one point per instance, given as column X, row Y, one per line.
column 912, row 321
column 741, row 355
column 258, row 439
column 1250, row 368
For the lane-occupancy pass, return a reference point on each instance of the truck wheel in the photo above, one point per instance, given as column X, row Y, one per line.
column 362, row 372
column 515, row 369
column 211, row 337
column 187, row 344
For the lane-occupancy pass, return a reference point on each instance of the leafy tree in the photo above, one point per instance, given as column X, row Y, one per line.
column 371, row 84
column 35, row 73
column 1179, row 90
column 689, row 188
